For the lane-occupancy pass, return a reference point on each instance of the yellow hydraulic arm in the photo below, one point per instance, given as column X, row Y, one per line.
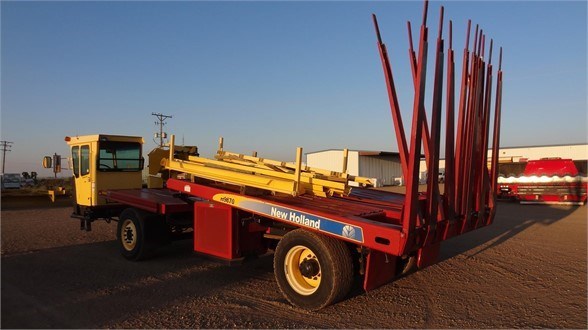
column 266, row 174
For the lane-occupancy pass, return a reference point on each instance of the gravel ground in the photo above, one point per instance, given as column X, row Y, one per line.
column 527, row 270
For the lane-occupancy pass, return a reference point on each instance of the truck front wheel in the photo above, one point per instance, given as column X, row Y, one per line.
column 137, row 234
column 312, row 270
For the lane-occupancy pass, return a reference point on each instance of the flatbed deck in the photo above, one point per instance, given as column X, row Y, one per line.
column 368, row 217
column 161, row 201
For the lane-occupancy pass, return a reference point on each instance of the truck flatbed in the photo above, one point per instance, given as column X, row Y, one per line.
column 161, row 201
column 370, row 224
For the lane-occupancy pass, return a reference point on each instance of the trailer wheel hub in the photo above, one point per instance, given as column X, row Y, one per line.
column 303, row 270
column 129, row 235
column 309, row 268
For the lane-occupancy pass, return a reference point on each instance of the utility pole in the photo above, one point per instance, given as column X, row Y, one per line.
column 160, row 121
column 4, row 147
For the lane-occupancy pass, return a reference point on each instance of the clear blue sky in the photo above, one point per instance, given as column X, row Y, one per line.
column 268, row 76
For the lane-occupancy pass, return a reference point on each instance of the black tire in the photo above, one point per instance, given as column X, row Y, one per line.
column 312, row 270
column 139, row 233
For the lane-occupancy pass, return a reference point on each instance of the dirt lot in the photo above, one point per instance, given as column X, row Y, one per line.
column 527, row 270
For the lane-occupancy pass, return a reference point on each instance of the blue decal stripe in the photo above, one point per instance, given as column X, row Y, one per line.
column 305, row 219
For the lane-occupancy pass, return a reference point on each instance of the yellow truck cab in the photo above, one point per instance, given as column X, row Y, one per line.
column 101, row 162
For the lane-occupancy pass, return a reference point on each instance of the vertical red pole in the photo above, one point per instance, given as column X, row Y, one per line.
column 413, row 67
column 479, row 131
column 466, row 156
column 449, row 190
column 476, row 41
column 433, row 161
column 409, row 213
column 496, row 140
column 459, row 146
column 393, row 98
column 483, row 169
column 479, row 149
column 467, row 187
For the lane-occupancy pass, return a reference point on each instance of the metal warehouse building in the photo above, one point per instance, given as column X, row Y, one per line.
column 381, row 165
column 515, row 154
column 385, row 166
column 521, row 154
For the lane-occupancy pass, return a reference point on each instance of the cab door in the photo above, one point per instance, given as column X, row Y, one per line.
column 81, row 169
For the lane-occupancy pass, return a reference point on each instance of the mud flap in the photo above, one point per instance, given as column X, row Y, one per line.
column 428, row 255
column 380, row 269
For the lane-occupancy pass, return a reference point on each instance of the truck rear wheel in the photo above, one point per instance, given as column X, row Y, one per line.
column 138, row 234
column 312, row 270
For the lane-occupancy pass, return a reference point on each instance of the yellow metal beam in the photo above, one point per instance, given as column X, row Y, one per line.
column 305, row 177
column 331, row 175
column 345, row 159
column 249, row 171
column 231, row 176
column 308, row 182
column 297, row 171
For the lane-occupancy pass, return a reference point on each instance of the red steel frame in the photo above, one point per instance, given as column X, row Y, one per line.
column 468, row 200
column 412, row 224
column 373, row 230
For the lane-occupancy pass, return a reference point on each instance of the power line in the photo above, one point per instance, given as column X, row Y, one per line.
column 161, row 121
column 4, row 147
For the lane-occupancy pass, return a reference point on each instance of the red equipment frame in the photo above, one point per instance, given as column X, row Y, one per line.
column 387, row 226
column 468, row 201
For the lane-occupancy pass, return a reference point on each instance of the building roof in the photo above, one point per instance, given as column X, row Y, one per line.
column 361, row 152
column 393, row 153
column 545, row 145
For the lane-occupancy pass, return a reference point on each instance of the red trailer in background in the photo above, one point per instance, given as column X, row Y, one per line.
column 546, row 181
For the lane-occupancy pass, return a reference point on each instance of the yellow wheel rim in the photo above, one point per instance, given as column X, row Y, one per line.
column 128, row 236
column 303, row 270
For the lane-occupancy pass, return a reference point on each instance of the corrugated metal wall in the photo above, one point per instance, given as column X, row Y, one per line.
column 575, row 152
column 383, row 168
column 332, row 160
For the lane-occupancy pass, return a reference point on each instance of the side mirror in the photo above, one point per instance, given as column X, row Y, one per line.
column 47, row 162
column 52, row 162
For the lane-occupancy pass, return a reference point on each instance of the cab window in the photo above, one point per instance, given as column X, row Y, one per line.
column 75, row 157
column 119, row 157
column 85, row 160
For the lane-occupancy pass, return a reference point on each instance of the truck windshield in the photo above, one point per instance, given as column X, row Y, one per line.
column 119, row 157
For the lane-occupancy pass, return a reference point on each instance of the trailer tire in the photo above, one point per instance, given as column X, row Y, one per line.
column 137, row 234
column 312, row 270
